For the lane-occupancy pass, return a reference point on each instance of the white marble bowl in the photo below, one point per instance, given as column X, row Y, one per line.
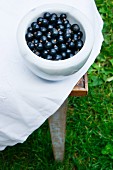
column 55, row 70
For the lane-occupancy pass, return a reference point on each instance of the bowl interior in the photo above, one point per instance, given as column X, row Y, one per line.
column 70, row 17
column 68, row 66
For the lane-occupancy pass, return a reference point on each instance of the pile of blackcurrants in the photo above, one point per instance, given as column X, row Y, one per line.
column 54, row 38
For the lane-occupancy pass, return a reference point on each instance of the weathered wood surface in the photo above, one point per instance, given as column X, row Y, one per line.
column 57, row 122
column 81, row 88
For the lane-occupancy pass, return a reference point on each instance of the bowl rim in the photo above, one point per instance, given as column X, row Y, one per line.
column 49, row 64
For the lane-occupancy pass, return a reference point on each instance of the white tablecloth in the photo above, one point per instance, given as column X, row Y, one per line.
column 26, row 101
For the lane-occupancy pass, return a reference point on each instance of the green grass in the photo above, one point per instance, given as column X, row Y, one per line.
column 89, row 138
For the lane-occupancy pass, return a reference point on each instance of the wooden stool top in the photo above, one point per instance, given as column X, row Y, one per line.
column 81, row 88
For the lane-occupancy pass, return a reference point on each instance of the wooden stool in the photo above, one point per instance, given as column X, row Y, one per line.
column 57, row 122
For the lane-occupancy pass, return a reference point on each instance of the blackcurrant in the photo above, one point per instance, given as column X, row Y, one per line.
column 75, row 28
column 44, row 53
column 29, row 36
column 54, row 32
column 63, row 55
column 60, row 39
column 56, row 47
column 43, row 39
column 33, row 24
column 61, row 27
column 30, row 29
column 79, row 44
column 40, row 46
column 35, row 41
column 35, row 27
column 80, row 34
column 53, row 20
column 63, row 47
column 48, row 45
column 68, row 52
column 50, row 27
column 65, row 22
column 39, row 20
column 54, row 41
column 74, row 37
column 49, row 36
column 63, row 16
column 68, row 25
column 49, row 57
column 59, row 22
column 58, row 57
column 60, row 32
column 67, row 36
column 43, row 29
column 38, row 34
column 54, row 15
column 31, row 45
column 67, row 31
column 47, row 15
column 53, row 52
column 72, row 45
column 44, row 22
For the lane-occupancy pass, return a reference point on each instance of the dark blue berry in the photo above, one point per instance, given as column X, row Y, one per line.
column 36, row 27
column 54, row 15
column 49, row 57
column 71, row 55
column 43, row 29
column 50, row 27
column 65, row 22
column 74, row 37
column 67, row 31
column 37, row 53
column 44, row 53
column 61, row 27
column 30, row 29
column 53, row 52
column 68, row 26
column 38, row 34
column 53, row 20
column 48, row 36
column 72, row 45
column 68, row 52
column 59, row 22
column 54, row 41
column 63, row 47
column 67, row 36
column 43, row 39
column 33, row 24
column 63, row 16
column 48, row 45
column 56, row 47
column 58, row 57
column 39, row 20
column 47, row 15
column 60, row 39
column 44, row 22
column 60, row 32
column 75, row 28
column 80, row 34
column 40, row 46
column 31, row 45
column 35, row 41
column 54, row 32
column 79, row 44
column 63, row 55
column 29, row 36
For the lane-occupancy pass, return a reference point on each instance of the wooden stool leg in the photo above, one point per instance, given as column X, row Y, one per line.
column 57, row 124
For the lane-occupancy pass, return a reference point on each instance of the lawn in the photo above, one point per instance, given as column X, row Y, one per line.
column 89, row 138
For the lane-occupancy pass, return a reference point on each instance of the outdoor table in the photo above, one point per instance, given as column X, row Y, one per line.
column 57, row 122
